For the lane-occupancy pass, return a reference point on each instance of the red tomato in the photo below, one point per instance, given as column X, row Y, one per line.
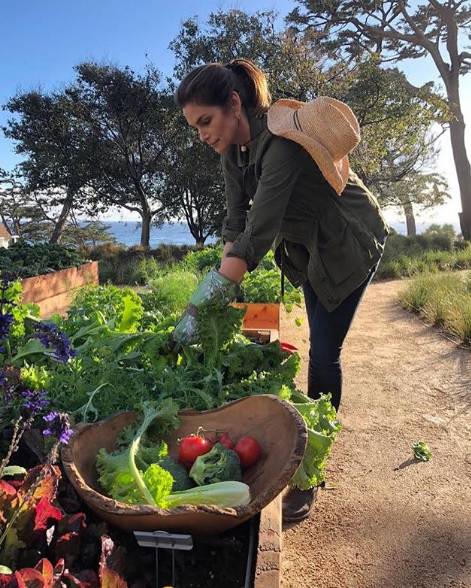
column 191, row 447
column 225, row 440
column 248, row 450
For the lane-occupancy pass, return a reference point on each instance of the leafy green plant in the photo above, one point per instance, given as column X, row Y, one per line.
column 421, row 451
column 170, row 293
column 203, row 260
column 442, row 299
column 103, row 304
column 25, row 260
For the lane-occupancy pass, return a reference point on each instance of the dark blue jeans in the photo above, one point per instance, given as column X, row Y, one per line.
column 327, row 331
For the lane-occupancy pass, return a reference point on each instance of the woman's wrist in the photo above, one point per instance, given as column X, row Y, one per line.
column 233, row 268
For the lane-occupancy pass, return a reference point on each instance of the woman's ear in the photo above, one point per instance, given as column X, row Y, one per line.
column 236, row 103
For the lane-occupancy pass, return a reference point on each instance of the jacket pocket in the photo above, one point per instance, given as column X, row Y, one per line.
column 341, row 255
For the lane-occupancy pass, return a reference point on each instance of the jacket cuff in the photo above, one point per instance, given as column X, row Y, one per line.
column 232, row 228
column 243, row 248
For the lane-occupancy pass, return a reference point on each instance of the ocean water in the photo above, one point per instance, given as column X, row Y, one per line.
column 129, row 233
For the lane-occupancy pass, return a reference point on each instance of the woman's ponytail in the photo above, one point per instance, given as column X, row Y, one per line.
column 213, row 84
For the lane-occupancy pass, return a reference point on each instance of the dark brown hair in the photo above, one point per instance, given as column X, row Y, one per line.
column 212, row 84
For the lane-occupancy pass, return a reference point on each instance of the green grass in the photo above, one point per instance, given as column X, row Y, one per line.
column 443, row 300
column 405, row 266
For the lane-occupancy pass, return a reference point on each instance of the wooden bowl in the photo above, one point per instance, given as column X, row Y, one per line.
column 277, row 426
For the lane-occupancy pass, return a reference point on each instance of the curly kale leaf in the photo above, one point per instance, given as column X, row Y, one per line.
column 217, row 326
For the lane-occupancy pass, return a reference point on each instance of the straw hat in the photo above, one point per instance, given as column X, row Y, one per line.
column 326, row 128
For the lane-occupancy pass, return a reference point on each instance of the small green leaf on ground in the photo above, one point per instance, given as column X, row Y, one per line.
column 421, row 451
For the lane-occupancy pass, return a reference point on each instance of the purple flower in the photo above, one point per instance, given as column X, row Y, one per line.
column 5, row 324
column 6, row 280
column 3, row 378
column 52, row 338
column 34, row 401
column 58, row 425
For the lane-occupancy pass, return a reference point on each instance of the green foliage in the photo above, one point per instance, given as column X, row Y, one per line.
column 134, row 265
column 421, row 451
column 123, row 306
column 217, row 325
column 25, row 260
column 436, row 249
column 443, row 300
column 220, row 464
column 202, row 260
column 264, row 285
column 120, row 473
column 171, row 292
column 35, row 377
column 322, row 428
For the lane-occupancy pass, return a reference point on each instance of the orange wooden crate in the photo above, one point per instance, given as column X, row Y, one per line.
column 261, row 319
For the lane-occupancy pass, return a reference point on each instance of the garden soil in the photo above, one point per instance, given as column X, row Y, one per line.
column 385, row 519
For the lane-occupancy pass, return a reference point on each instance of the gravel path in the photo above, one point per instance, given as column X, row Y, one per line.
column 385, row 520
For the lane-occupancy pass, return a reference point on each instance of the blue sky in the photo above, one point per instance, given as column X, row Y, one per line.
column 41, row 41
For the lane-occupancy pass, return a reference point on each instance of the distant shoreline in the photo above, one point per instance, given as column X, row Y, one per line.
column 127, row 232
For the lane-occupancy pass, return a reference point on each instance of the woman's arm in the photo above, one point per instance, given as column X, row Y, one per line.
column 281, row 164
column 233, row 268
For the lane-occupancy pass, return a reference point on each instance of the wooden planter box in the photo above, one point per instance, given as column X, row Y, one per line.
column 54, row 292
column 261, row 320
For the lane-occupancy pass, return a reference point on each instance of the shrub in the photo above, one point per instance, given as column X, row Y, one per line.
column 444, row 300
column 134, row 265
column 104, row 303
column 171, row 292
column 25, row 260
column 204, row 259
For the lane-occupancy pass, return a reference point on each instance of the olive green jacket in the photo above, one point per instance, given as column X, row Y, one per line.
column 276, row 195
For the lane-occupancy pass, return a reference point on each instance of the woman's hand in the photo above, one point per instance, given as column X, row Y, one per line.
column 214, row 286
column 233, row 268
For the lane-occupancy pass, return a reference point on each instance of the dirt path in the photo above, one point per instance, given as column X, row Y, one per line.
column 389, row 521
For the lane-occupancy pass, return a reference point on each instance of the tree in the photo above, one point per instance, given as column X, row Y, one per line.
column 397, row 146
column 395, row 119
column 397, row 30
column 57, row 152
column 87, row 234
column 129, row 119
column 425, row 191
column 20, row 212
column 195, row 184
column 295, row 68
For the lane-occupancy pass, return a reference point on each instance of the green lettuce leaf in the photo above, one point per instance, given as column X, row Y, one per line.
column 322, row 428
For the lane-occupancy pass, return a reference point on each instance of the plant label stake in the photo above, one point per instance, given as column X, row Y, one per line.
column 163, row 540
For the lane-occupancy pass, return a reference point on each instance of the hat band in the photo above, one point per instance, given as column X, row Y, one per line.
column 297, row 124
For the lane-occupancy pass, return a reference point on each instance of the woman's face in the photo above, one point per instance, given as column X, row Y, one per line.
column 218, row 127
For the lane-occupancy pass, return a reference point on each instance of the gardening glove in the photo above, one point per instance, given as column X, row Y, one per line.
column 213, row 286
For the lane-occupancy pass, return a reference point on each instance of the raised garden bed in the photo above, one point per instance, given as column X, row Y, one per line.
column 54, row 292
column 261, row 321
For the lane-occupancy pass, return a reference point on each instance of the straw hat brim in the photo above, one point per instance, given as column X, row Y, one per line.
column 281, row 123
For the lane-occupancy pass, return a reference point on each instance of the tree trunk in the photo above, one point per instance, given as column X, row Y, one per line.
column 463, row 173
column 59, row 225
column 460, row 157
column 146, row 217
column 410, row 220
